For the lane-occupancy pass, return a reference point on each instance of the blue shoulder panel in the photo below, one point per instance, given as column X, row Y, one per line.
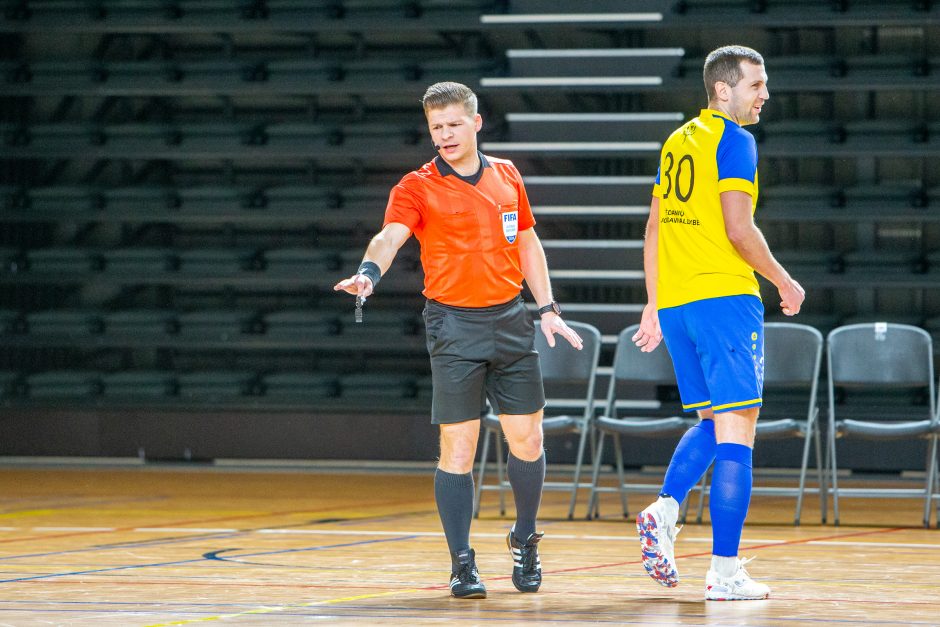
column 736, row 153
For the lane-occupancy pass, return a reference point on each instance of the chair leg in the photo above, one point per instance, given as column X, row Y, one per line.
column 936, row 480
column 500, row 472
column 621, row 479
column 484, row 453
column 834, row 468
column 585, row 434
column 702, row 489
column 931, row 471
column 803, row 467
column 821, row 469
column 595, row 478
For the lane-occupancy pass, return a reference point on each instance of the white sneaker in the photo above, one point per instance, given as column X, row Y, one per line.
column 739, row 587
column 657, row 537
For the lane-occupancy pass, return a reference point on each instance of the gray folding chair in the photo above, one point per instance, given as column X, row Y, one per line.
column 792, row 360
column 569, row 377
column 632, row 368
column 882, row 356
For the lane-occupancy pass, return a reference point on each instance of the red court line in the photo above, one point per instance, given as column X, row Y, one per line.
column 704, row 553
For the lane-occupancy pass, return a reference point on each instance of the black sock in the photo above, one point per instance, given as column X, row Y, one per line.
column 454, row 496
column 527, row 479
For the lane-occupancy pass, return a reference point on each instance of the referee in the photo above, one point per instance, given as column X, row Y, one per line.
column 472, row 218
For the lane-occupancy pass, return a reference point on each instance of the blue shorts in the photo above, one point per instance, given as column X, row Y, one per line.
column 717, row 350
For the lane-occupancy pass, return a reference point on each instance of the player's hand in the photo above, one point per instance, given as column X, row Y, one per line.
column 357, row 284
column 552, row 324
column 792, row 295
column 649, row 335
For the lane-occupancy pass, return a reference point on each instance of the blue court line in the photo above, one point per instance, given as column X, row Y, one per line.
column 200, row 559
column 125, row 545
column 214, row 556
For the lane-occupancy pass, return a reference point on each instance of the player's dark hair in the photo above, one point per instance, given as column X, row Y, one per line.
column 724, row 64
column 440, row 95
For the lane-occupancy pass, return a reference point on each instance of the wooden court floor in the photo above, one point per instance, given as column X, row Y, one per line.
column 186, row 546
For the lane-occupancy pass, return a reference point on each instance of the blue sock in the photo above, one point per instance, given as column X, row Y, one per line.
column 694, row 454
column 730, row 497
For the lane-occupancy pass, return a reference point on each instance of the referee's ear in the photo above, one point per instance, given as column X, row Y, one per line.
column 477, row 122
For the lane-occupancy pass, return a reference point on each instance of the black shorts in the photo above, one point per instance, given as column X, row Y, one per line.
column 479, row 354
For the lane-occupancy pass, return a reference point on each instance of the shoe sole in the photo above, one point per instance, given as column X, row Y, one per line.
column 655, row 563
column 736, row 598
column 472, row 595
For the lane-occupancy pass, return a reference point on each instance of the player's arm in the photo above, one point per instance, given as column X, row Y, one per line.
column 535, row 271
column 649, row 335
column 748, row 240
column 381, row 252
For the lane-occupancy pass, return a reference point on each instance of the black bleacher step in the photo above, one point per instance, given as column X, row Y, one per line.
column 65, row 322
column 216, row 324
column 300, row 385
column 699, row 14
column 141, row 322
column 207, row 386
column 610, row 69
column 591, row 127
column 565, row 254
column 274, row 16
column 596, row 190
column 301, row 323
column 63, row 384
column 136, row 384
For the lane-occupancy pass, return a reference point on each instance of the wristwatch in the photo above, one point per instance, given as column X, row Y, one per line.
column 551, row 307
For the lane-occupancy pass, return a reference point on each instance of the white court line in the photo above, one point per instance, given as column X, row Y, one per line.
column 429, row 534
column 74, row 529
column 184, row 530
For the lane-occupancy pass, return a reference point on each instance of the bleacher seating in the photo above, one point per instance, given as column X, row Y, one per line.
column 184, row 181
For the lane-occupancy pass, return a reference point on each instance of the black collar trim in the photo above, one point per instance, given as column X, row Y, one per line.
column 444, row 168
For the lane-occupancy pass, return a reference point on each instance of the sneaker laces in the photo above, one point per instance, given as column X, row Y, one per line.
column 528, row 556
column 742, row 562
column 675, row 532
column 465, row 571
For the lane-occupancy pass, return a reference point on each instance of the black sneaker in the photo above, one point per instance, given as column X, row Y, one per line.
column 464, row 578
column 526, row 565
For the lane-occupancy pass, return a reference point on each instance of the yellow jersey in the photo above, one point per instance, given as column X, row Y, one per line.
column 706, row 156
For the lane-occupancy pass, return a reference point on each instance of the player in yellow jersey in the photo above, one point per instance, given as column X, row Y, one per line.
column 702, row 249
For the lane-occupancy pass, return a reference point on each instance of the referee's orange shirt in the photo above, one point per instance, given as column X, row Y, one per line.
column 469, row 234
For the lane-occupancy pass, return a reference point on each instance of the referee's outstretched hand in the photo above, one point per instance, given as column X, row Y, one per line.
column 357, row 284
column 552, row 324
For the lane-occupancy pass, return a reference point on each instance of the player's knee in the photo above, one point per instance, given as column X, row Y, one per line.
column 457, row 459
column 528, row 446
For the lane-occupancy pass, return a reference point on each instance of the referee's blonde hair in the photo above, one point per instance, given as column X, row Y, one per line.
column 446, row 93
column 724, row 65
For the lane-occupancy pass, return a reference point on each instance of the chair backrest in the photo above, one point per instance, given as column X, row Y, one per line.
column 633, row 366
column 571, row 368
column 792, row 361
column 881, row 354
column 564, row 362
column 792, row 353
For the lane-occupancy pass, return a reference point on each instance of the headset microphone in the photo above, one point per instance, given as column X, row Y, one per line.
column 436, row 146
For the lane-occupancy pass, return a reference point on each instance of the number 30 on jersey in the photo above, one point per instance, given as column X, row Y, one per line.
column 679, row 175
